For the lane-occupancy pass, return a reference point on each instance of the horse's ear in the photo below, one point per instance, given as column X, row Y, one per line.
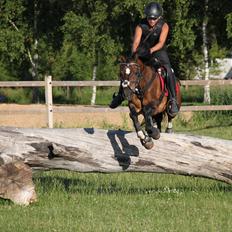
column 122, row 59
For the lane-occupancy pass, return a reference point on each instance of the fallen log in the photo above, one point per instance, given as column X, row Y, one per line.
column 97, row 150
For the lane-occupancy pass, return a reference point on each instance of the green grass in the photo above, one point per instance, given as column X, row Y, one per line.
column 194, row 95
column 69, row 201
column 215, row 124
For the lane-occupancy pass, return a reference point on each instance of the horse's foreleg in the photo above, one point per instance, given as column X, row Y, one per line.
column 158, row 119
column 169, row 127
column 145, row 139
column 151, row 130
column 137, row 125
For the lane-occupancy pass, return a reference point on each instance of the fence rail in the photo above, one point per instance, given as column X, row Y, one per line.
column 48, row 84
column 103, row 83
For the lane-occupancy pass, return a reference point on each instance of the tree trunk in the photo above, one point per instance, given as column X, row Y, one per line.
column 206, row 55
column 96, row 150
column 93, row 98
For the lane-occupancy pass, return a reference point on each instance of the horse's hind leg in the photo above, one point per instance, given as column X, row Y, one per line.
column 169, row 127
column 158, row 119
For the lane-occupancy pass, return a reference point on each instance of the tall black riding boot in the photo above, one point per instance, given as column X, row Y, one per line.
column 173, row 108
column 117, row 99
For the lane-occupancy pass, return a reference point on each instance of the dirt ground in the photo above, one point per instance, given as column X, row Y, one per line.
column 35, row 116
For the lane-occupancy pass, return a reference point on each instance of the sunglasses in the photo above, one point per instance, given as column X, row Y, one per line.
column 151, row 18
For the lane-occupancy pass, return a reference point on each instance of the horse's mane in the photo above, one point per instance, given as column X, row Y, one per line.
column 135, row 59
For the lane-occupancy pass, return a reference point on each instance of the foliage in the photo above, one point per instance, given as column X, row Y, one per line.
column 229, row 25
column 19, row 95
column 192, row 95
column 13, row 27
column 222, row 95
column 5, row 74
column 68, row 38
column 71, row 65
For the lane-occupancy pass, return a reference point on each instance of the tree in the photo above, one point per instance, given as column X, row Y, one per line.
column 229, row 25
column 88, row 28
column 182, row 36
column 12, row 47
column 76, row 39
column 206, row 52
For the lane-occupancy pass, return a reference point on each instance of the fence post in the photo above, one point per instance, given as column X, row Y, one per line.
column 48, row 99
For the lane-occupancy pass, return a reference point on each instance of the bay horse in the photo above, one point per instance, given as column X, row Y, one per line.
column 145, row 91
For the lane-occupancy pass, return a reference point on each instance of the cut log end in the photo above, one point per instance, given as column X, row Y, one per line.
column 16, row 183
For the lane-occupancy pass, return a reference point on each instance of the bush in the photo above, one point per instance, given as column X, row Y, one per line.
column 221, row 95
column 194, row 94
column 17, row 95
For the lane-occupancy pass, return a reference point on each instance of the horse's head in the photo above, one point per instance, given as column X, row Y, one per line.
column 130, row 75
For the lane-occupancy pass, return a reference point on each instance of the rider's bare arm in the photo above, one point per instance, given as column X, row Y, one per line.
column 137, row 38
column 163, row 37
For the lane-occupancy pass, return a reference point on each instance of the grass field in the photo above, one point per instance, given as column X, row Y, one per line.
column 121, row 202
column 69, row 201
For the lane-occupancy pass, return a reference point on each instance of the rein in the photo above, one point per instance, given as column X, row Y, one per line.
column 148, row 84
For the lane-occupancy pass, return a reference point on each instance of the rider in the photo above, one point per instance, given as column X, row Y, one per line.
column 149, row 43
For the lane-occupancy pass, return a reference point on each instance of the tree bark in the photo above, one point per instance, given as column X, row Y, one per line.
column 94, row 91
column 206, row 53
column 97, row 150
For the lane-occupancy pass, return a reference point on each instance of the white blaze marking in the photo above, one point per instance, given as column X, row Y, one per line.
column 128, row 71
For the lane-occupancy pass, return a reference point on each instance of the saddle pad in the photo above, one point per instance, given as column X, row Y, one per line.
column 164, row 87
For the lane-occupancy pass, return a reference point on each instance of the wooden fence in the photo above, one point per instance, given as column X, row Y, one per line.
column 48, row 84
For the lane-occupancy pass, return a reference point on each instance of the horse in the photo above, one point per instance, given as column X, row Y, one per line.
column 144, row 88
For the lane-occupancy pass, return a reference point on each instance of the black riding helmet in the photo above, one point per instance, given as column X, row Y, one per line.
column 153, row 10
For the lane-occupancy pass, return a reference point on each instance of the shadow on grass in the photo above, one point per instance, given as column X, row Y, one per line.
column 6, row 202
column 88, row 186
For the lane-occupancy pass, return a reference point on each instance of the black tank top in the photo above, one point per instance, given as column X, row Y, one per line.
column 153, row 39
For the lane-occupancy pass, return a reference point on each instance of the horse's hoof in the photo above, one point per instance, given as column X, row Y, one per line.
column 154, row 133
column 169, row 130
column 147, row 143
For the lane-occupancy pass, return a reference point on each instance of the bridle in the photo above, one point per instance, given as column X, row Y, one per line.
column 126, row 82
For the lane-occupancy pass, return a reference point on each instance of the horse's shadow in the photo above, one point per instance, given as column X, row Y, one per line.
column 121, row 153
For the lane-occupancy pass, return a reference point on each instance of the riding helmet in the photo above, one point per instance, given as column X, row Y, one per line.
column 153, row 10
